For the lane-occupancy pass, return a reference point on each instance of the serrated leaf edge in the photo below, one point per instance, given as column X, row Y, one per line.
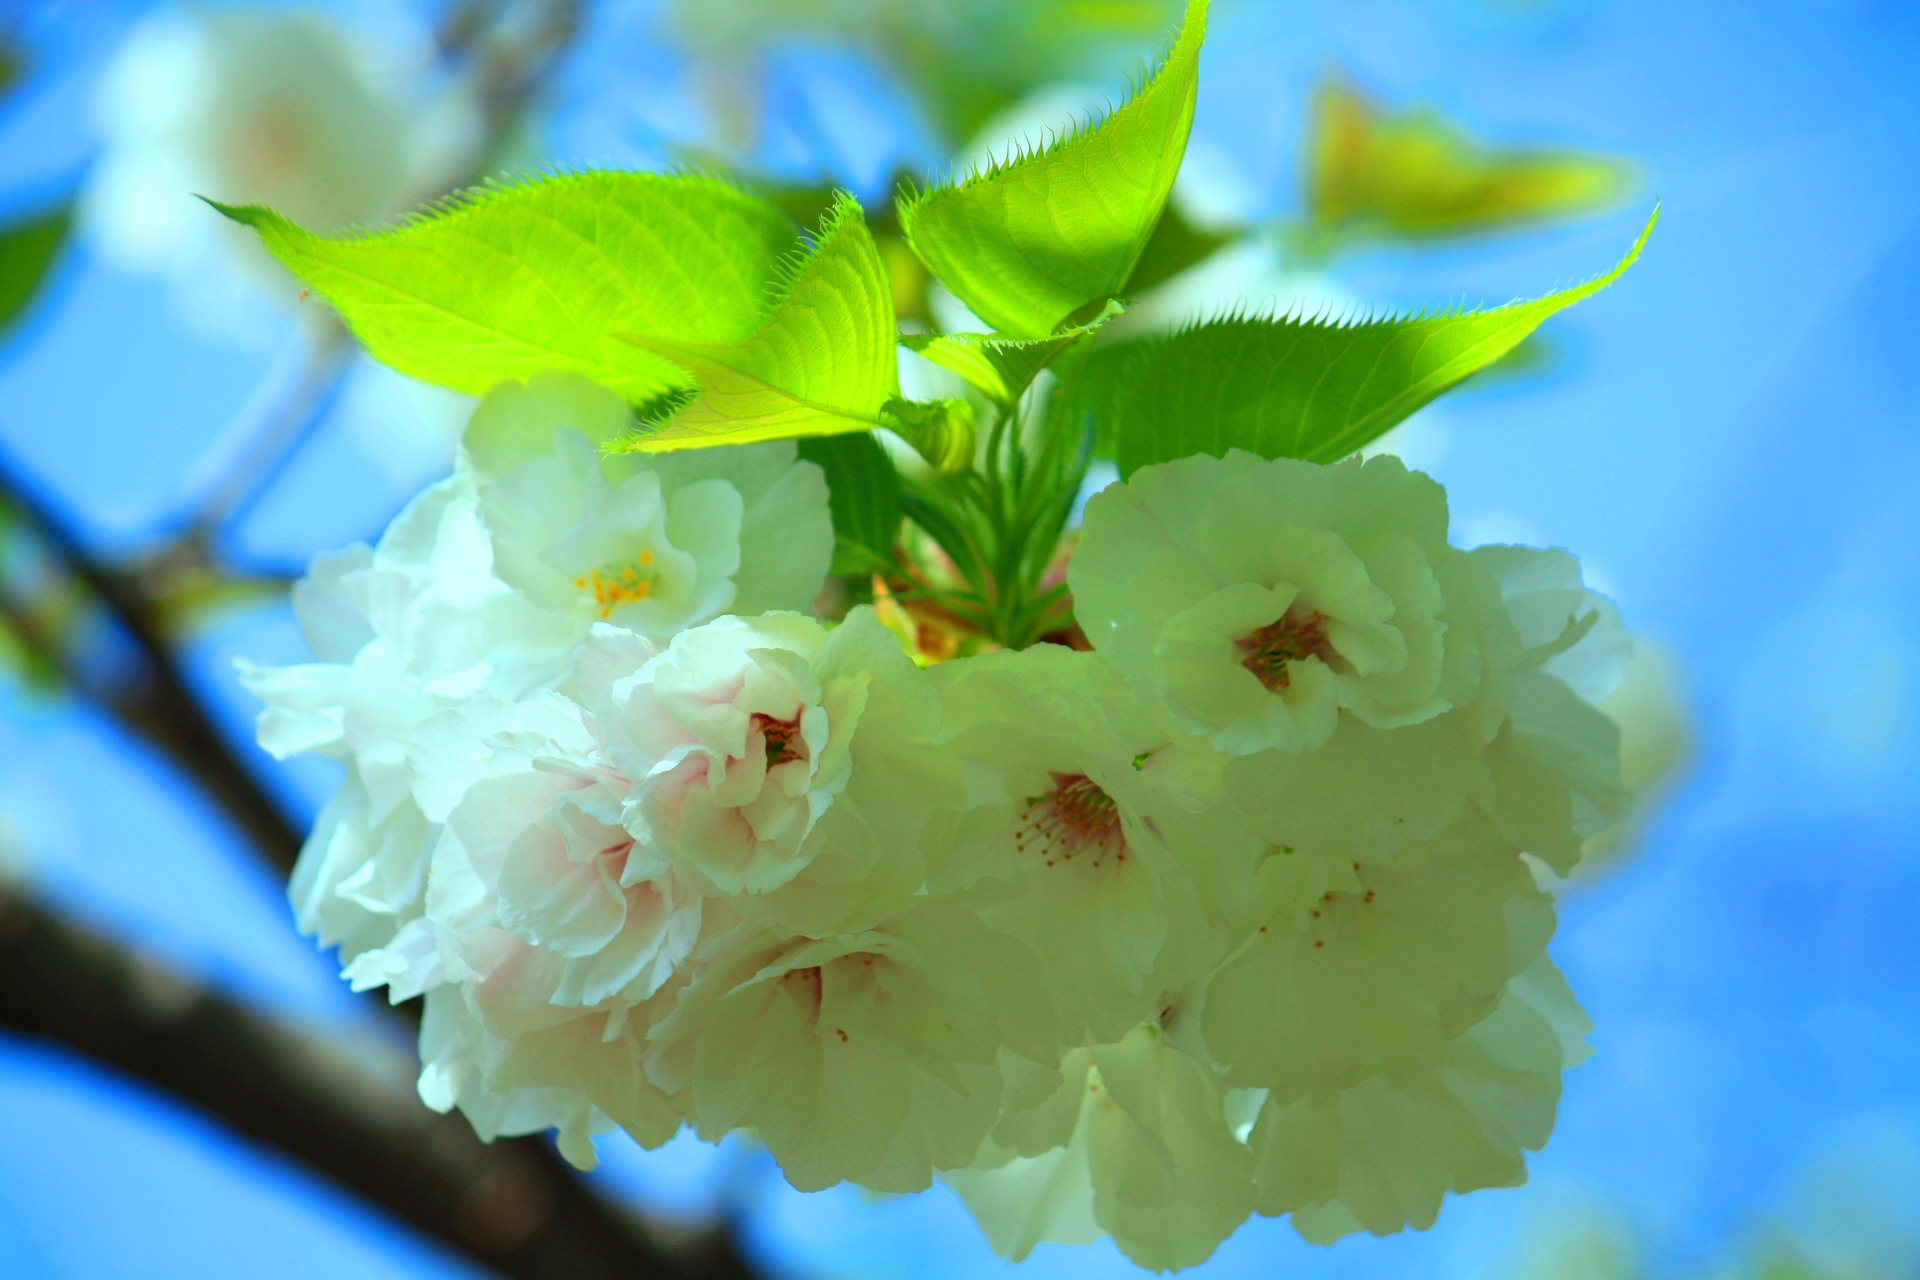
column 1022, row 152
column 469, row 199
column 1242, row 312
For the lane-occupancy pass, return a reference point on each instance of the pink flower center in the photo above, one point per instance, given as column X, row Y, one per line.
column 784, row 742
column 1270, row 650
column 1073, row 818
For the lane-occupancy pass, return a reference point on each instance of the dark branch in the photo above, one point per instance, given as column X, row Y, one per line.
column 515, row 1205
column 511, row 1206
column 145, row 692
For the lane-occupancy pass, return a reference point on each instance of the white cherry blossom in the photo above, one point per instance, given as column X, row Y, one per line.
column 654, row 543
column 1079, row 799
column 1263, row 599
column 786, row 767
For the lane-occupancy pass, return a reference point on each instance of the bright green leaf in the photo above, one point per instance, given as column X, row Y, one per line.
column 999, row 367
column 507, row 282
column 1033, row 241
column 1415, row 175
column 821, row 362
column 1292, row 388
column 864, row 491
column 27, row 253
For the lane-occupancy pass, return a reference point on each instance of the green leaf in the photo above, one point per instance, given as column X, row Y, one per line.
column 1293, row 388
column 864, row 492
column 1413, row 174
column 942, row 430
column 821, row 362
column 507, row 282
column 27, row 253
column 1035, row 240
column 999, row 367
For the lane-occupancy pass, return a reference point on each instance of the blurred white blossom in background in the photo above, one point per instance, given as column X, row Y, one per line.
column 289, row 108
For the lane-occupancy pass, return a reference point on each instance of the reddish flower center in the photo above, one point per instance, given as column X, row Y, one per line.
column 784, row 742
column 1271, row 649
column 1073, row 818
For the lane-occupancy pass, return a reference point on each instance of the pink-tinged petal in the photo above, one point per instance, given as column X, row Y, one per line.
column 573, row 908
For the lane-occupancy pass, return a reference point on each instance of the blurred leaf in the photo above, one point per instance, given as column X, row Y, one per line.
column 965, row 59
column 864, row 492
column 1034, row 240
column 1295, row 388
column 1176, row 245
column 25, row 664
column 806, row 205
column 999, row 367
column 1025, row 43
column 1413, row 174
column 823, row 361
column 505, row 282
column 1785, row 1263
column 12, row 66
column 27, row 253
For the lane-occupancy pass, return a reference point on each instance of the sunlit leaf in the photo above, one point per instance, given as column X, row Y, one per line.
column 864, row 492
column 822, row 361
column 808, row 204
column 1031, row 242
column 27, row 253
column 1413, row 174
column 506, row 282
column 999, row 367
column 1298, row 388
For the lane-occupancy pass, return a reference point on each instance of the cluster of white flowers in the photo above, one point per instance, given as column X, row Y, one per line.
column 1230, row 914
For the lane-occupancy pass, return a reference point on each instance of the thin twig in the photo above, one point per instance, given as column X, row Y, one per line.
column 272, row 438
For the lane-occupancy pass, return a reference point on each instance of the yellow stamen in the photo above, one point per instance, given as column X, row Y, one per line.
column 616, row 587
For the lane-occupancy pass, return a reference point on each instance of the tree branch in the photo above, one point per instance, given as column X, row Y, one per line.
column 145, row 693
column 514, row 1206
column 511, row 1206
